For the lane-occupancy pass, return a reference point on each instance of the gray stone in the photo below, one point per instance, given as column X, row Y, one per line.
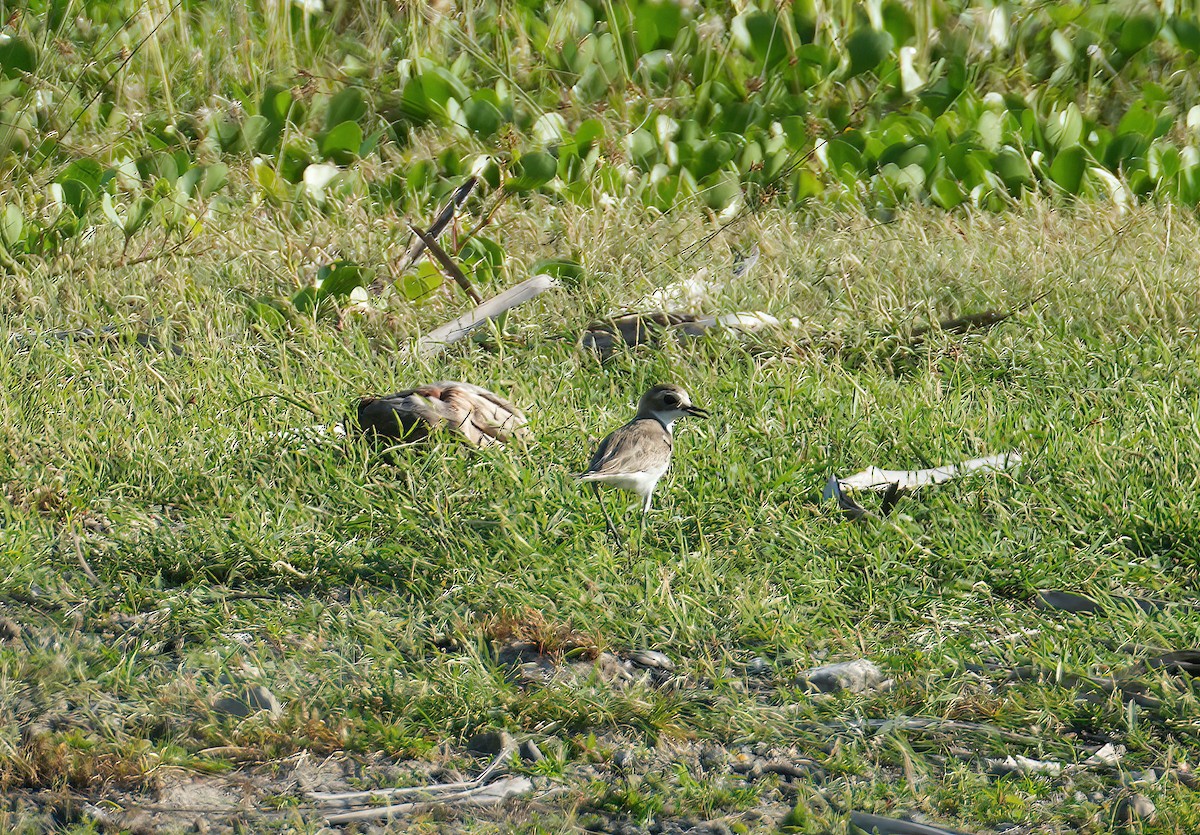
column 624, row 758
column 652, row 659
column 10, row 630
column 859, row 676
column 1135, row 807
column 260, row 698
column 231, row 707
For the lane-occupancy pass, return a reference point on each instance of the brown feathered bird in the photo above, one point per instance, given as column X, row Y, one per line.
column 479, row 416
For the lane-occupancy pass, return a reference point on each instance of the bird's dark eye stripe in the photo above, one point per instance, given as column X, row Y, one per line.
column 671, row 400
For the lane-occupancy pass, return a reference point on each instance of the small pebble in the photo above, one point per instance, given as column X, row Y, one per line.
column 260, row 698
column 1135, row 807
column 652, row 659
column 530, row 752
column 10, row 630
column 859, row 676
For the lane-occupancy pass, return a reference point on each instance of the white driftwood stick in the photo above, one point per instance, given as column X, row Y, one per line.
column 348, row 798
column 493, row 794
column 455, row 330
column 874, row 478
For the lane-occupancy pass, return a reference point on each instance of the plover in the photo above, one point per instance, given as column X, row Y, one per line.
column 636, row 456
column 481, row 417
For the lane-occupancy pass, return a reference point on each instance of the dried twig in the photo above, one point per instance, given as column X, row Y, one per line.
column 448, row 263
column 477, row 792
column 492, row 794
column 443, row 219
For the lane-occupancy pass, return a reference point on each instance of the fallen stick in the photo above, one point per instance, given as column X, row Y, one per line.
column 452, row 331
column 874, row 478
column 447, row 214
column 492, row 794
column 349, row 798
column 448, row 263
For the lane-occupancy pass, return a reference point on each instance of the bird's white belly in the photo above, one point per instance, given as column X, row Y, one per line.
column 641, row 483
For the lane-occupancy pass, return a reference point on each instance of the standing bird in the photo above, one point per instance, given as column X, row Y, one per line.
column 637, row 455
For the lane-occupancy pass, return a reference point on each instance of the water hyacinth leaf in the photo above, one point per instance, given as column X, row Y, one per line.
column 946, row 193
column 418, row 284
column 273, row 187
column 264, row 311
column 1068, row 168
column 656, row 22
column 565, row 270
column 588, row 133
column 216, row 176
column 17, row 57
column 1186, row 33
column 12, row 225
column 1163, row 161
column 867, row 49
column 346, row 106
column 484, row 256
column 305, row 300
column 768, row 43
column 532, row 171
column 1065, row 127
column 341, row 144
column 339, row 279
column 1136, row 33
column 483, row 117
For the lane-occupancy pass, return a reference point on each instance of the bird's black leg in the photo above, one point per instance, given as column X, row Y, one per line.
column 612, row 529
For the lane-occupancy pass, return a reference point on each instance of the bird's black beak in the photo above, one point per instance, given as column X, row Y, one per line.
column 696, row 411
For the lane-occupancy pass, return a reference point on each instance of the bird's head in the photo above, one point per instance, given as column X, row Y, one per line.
column 667, row 403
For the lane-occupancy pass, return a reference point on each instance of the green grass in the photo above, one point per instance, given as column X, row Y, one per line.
column 336, row 578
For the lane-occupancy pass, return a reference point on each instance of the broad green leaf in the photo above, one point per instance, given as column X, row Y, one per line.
column 898, row 22
column 643, row 150
column 768, row 41
column 1068, row 168
column 1163, row 161
column 265, row 311
column 346, row 106
column 187, row 183
column 564, row 269
column 587, row 135
column 1136, row 33
column 418, row 284
column 215, row 178
column 656, row 23
column 867, row 48
column 484, row 256
column 946, row 193
column 1065, row 127
column 339, row 279
column 12, row 225
column 483, row 117
column 273, row 187
column 305, row 300
column 532, row 171
column 1186, row 32
column 1138, row 119
column 17, row 57
column 342, row 142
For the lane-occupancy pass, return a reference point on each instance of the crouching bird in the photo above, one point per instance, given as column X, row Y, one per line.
column 480, row 417
column 637, row 455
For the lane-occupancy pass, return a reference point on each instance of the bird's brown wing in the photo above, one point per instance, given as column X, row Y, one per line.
column 634, row 447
